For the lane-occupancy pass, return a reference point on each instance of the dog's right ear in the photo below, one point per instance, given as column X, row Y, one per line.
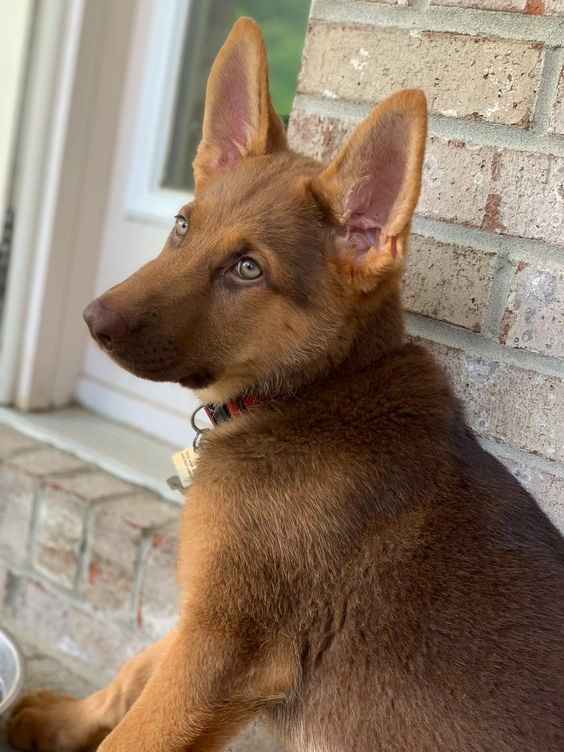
column 239, row 119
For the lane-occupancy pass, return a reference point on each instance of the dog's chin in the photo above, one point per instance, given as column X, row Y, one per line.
column 171, row 369
column 200, row 379
column 152, row 370
column 197, row 379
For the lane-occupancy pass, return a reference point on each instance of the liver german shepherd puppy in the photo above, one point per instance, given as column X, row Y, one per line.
column 352, row 564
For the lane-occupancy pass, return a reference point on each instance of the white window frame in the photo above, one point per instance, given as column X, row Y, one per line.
column 146, row 199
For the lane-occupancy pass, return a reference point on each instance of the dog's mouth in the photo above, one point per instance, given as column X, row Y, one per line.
column 146, row 351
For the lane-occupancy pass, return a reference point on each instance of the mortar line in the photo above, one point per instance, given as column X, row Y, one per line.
column 469, row 21
column 497, row 302
column 83, row 550
column 74, row 473
column 140, row 569
column 30, row 556
column 522, row 457
column 507, row 246
column 553, row 60
column 87, row 469
column 79, row 587
column 498, row 135
column 13, row 588
column 472, row 343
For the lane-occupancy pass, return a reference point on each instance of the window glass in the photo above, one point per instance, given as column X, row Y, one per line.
column 284, row 25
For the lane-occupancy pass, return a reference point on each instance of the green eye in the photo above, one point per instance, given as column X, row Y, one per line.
column 181, row 225
column 248, row 269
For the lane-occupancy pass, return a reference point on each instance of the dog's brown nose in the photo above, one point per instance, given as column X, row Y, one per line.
column 106, row 326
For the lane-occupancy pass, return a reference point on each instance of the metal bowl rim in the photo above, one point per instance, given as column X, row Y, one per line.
column 14, row 691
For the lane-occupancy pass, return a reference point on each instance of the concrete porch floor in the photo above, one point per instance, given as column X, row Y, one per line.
column 47, row 668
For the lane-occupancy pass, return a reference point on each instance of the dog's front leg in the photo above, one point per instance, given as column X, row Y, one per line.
column 52, row 722
column 208, row 684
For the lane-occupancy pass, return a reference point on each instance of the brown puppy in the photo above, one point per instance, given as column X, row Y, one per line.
column 352, row 565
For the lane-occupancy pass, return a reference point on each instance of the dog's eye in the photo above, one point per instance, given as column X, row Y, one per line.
column 247, row 268
column 181, row 225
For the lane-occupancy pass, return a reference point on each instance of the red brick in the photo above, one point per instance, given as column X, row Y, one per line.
column 534, row 318
column 318, row 136
column 457, row 181
column 550, row 7
column 93, row 485
column 448, row 282
column 546, row 487
column 46, row 461
column 507, row 404
column 480, row 78
column 506, row 191
column 116, row 532
column 73, row 629
column 158, row 605
column 531, row 187
column 17, row 493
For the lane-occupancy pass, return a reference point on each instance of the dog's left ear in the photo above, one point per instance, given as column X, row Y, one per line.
column 370, row 189
column 239, row 119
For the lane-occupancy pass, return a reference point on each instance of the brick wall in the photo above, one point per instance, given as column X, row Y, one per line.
column 484, row 288
column 87, row 562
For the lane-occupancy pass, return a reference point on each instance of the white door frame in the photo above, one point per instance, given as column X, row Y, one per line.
column 16, row 28
column 65, row 162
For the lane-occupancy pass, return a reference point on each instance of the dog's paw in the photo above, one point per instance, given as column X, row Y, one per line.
column 47, row 722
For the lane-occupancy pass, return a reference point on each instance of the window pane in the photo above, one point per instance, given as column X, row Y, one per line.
column 209, row 21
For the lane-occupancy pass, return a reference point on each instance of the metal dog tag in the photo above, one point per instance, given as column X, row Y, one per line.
column 175, row 485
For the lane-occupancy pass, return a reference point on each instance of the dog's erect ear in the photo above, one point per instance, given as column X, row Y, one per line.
column 370, row 189
column 239, row 119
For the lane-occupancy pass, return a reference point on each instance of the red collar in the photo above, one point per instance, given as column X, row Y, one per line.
column 222, row 413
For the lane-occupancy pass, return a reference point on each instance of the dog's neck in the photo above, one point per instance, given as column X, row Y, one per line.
column 377, row 331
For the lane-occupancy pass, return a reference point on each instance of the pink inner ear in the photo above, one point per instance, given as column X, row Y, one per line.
column 230, row 119
column 371, row 200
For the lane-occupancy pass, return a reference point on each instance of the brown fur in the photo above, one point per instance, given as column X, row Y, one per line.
column 352, row 564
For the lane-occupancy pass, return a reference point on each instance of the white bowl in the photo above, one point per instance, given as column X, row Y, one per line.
column 11, row 671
